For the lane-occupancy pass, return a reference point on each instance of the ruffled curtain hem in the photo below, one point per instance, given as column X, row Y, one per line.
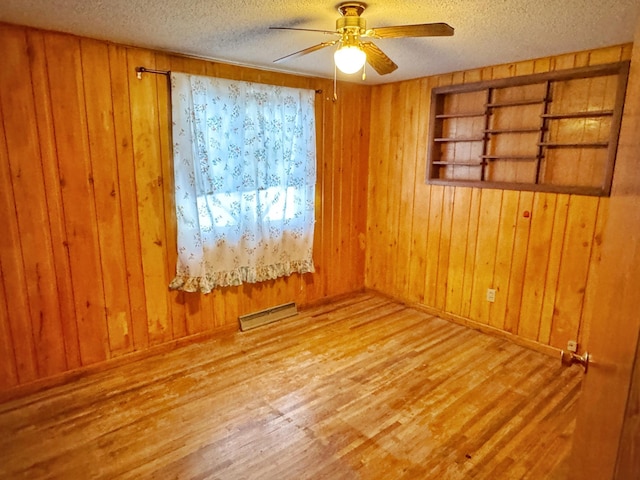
column 239, row 276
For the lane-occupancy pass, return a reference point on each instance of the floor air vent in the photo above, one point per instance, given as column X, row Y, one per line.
column 270, row 315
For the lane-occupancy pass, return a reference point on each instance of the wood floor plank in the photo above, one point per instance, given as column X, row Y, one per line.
column 360, row 388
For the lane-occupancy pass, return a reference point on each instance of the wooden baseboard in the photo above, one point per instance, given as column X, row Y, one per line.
column 481, row 327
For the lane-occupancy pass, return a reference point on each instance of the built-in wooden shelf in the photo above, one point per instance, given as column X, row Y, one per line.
column 516, row 103
column 443, row 140
column 575, row 145
column 512, row 130
column 460, row 115
column 461, row 164
column 594, row 113
column 518, row 117
column 511, row 157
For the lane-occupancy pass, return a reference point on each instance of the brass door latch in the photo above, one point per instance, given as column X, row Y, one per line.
column 569, row 358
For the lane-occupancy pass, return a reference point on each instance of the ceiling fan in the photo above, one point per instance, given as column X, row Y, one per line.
column 352, row 52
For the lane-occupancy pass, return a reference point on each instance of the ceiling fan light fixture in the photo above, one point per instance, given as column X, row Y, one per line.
column 352, row 52
column 349, row 59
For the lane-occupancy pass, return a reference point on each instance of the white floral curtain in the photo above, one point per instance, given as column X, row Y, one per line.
column 245, row 170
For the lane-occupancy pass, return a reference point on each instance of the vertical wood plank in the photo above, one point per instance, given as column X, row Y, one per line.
column 29, row 197
column 327, row 193
column 338, row 153
column 8, row 370
column 149, row 180
column 518, row 263
column 542, row 65
column 592, row 294
column 421, row 200
column 17, row 303
column 490, row 208
column 537, row 262
column 470, row 262
column 102, row 148
column 563, row 62
column 358, row 190
column 76, row 178
column 55, row 208
column 504, row 256
column 359, row 207
column 553, row 270
column 458, row 249
column 408, row 178
column 221, row 317
column 330, row 198
column 313, row 285
column 128, row 197
column 432, row 253
column 377, row 230
column 572, row 277
column 445, row 247
column 605, row 55
column 341, row 152
column 19, row 364
column 394, row 157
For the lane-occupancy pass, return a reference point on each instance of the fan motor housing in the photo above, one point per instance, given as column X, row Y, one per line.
column 350, row 17
column 351, row 22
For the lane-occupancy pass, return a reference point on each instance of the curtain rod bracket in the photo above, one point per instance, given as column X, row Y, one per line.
column 141, row 70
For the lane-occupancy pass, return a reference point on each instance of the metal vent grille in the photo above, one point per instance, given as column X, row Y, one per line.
column 269, row 315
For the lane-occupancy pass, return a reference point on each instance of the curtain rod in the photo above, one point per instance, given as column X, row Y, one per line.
column 141, row 70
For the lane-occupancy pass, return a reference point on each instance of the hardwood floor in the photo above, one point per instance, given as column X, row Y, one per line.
column 362, row 388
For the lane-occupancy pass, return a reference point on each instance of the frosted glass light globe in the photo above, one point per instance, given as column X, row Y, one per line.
column 349, row 59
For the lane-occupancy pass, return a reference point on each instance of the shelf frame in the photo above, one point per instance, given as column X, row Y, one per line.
column 542, row 142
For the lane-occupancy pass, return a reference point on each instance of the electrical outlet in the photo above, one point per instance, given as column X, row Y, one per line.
column 572, row 346
column 491, row 294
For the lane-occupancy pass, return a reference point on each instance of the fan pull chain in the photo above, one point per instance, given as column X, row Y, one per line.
column 364, row 71
column 335, row 82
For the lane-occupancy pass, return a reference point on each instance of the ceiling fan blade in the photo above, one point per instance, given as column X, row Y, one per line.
column 306, row 50
column 420, row 30
column 328, row 32
column 377, row 59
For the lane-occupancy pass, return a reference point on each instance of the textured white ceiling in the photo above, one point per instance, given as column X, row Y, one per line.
column 487, row 32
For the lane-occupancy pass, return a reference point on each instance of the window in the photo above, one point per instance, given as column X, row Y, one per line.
column 245, row 166
column 554, row 132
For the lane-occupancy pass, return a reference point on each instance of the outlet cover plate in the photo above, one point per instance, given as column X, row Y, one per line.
column 491, row 294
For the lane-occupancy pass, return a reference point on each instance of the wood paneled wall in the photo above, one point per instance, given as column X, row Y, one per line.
column 442, row 247
column 88, row 243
